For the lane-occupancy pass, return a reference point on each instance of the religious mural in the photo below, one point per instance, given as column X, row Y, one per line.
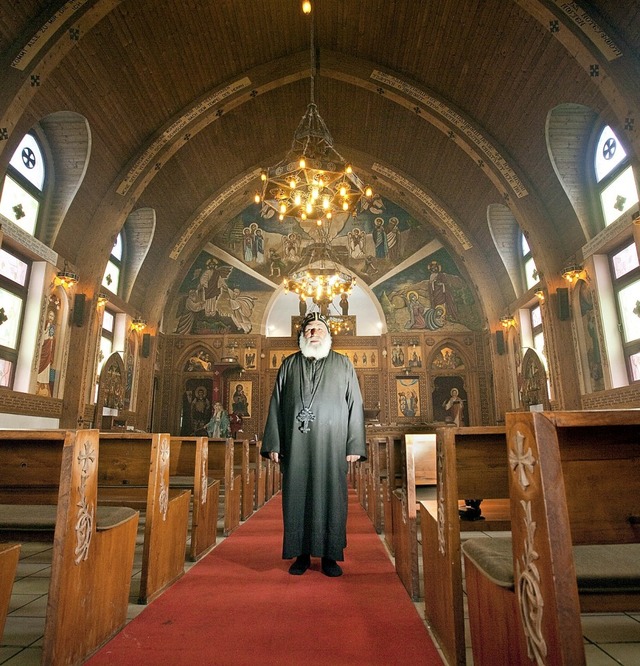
column 408, row 396
column 46, row 361
column 590, row 336
column 216, row 297
column 240, row 399
column 361, row 358
column 449, row 400
column 369, row 244
column 430, row 295
column 196, row 406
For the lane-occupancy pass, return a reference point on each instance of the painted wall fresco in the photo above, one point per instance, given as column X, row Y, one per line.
column 369, row 244
column 429, row 295
column 218, row 298
column 590, row 336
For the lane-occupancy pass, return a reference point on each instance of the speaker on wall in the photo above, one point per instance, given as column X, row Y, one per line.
column 78, row 309
column 500, row 348
column 146, row 345
column 564, row 312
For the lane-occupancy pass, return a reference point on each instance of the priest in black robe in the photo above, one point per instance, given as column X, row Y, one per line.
column 315, row 427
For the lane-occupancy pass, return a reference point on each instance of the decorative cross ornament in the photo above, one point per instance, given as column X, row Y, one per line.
column 305, row 416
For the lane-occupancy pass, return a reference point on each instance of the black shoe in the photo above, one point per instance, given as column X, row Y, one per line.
column 302, row 563
column 331, row 568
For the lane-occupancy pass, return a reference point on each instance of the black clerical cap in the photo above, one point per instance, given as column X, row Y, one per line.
column 313, row 316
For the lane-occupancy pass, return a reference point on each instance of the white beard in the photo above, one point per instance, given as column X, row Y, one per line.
column 317, row 350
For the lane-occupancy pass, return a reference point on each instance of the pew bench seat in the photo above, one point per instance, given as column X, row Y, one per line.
column 600, row 568
column 38, row 521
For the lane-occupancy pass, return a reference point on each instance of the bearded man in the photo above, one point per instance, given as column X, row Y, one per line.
column 315, row 427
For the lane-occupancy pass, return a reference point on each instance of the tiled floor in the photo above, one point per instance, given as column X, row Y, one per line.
column 610, row 639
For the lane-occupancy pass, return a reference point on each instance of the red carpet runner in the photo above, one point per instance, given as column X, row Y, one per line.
column 240, row 606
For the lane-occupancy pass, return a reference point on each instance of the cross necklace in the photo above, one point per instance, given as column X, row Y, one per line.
column 310, row 375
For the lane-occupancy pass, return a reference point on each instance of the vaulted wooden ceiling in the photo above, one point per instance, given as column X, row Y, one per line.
column 443, row 105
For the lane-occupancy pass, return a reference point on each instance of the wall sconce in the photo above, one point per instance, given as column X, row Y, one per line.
column 507, row 321
column 572, row 273
column 540, row 294
column 66, row 278
column 138, row 324
column 102, row 299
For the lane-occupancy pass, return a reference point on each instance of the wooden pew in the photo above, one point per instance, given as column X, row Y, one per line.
column 189, row 468
column 417, row 461
column 9, row 555
column 48, row 491
column 241, row 453
column 377, row 448
column 259, row 465
column 391, row 484
column 575, row 516
column 221, row 466
column 361, row 477
column 471, row 462
column 272, row 479
column 134, row 471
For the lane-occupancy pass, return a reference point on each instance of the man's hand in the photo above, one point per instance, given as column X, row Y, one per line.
column 353, row 458
column 275, row 456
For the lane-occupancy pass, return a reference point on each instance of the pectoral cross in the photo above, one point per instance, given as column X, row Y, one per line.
column 305, row 416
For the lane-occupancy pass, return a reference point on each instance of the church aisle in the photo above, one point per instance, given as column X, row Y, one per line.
column 239, row 605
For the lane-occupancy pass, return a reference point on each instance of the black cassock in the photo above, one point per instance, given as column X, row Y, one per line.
column 314, row 463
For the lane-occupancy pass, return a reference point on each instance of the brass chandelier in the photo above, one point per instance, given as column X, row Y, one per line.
column 313, row 181
column 314, row 184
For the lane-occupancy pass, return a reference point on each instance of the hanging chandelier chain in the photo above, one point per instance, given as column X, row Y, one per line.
column 313, row 58
column 314, row 185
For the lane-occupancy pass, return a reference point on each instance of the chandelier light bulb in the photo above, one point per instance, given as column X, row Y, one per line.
column 297, row 199
column 302, row 163
column 368, row 192
column 345, row 205
column 263, row 176
column 343, row 190
column 257, row 198
column 292, row 183
column 306, row 7
column 315, row 193
column 283, row 208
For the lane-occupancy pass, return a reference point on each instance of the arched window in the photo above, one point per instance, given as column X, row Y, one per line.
column 23, row 187
column 113, row 271
column 615, row 181
column 528, row 264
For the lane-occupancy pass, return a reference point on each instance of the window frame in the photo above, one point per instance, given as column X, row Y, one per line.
column 629, row 349
column 21, row 291
column 118, row 262
column 524, row 258
column 22, row 181
column 599, row 186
